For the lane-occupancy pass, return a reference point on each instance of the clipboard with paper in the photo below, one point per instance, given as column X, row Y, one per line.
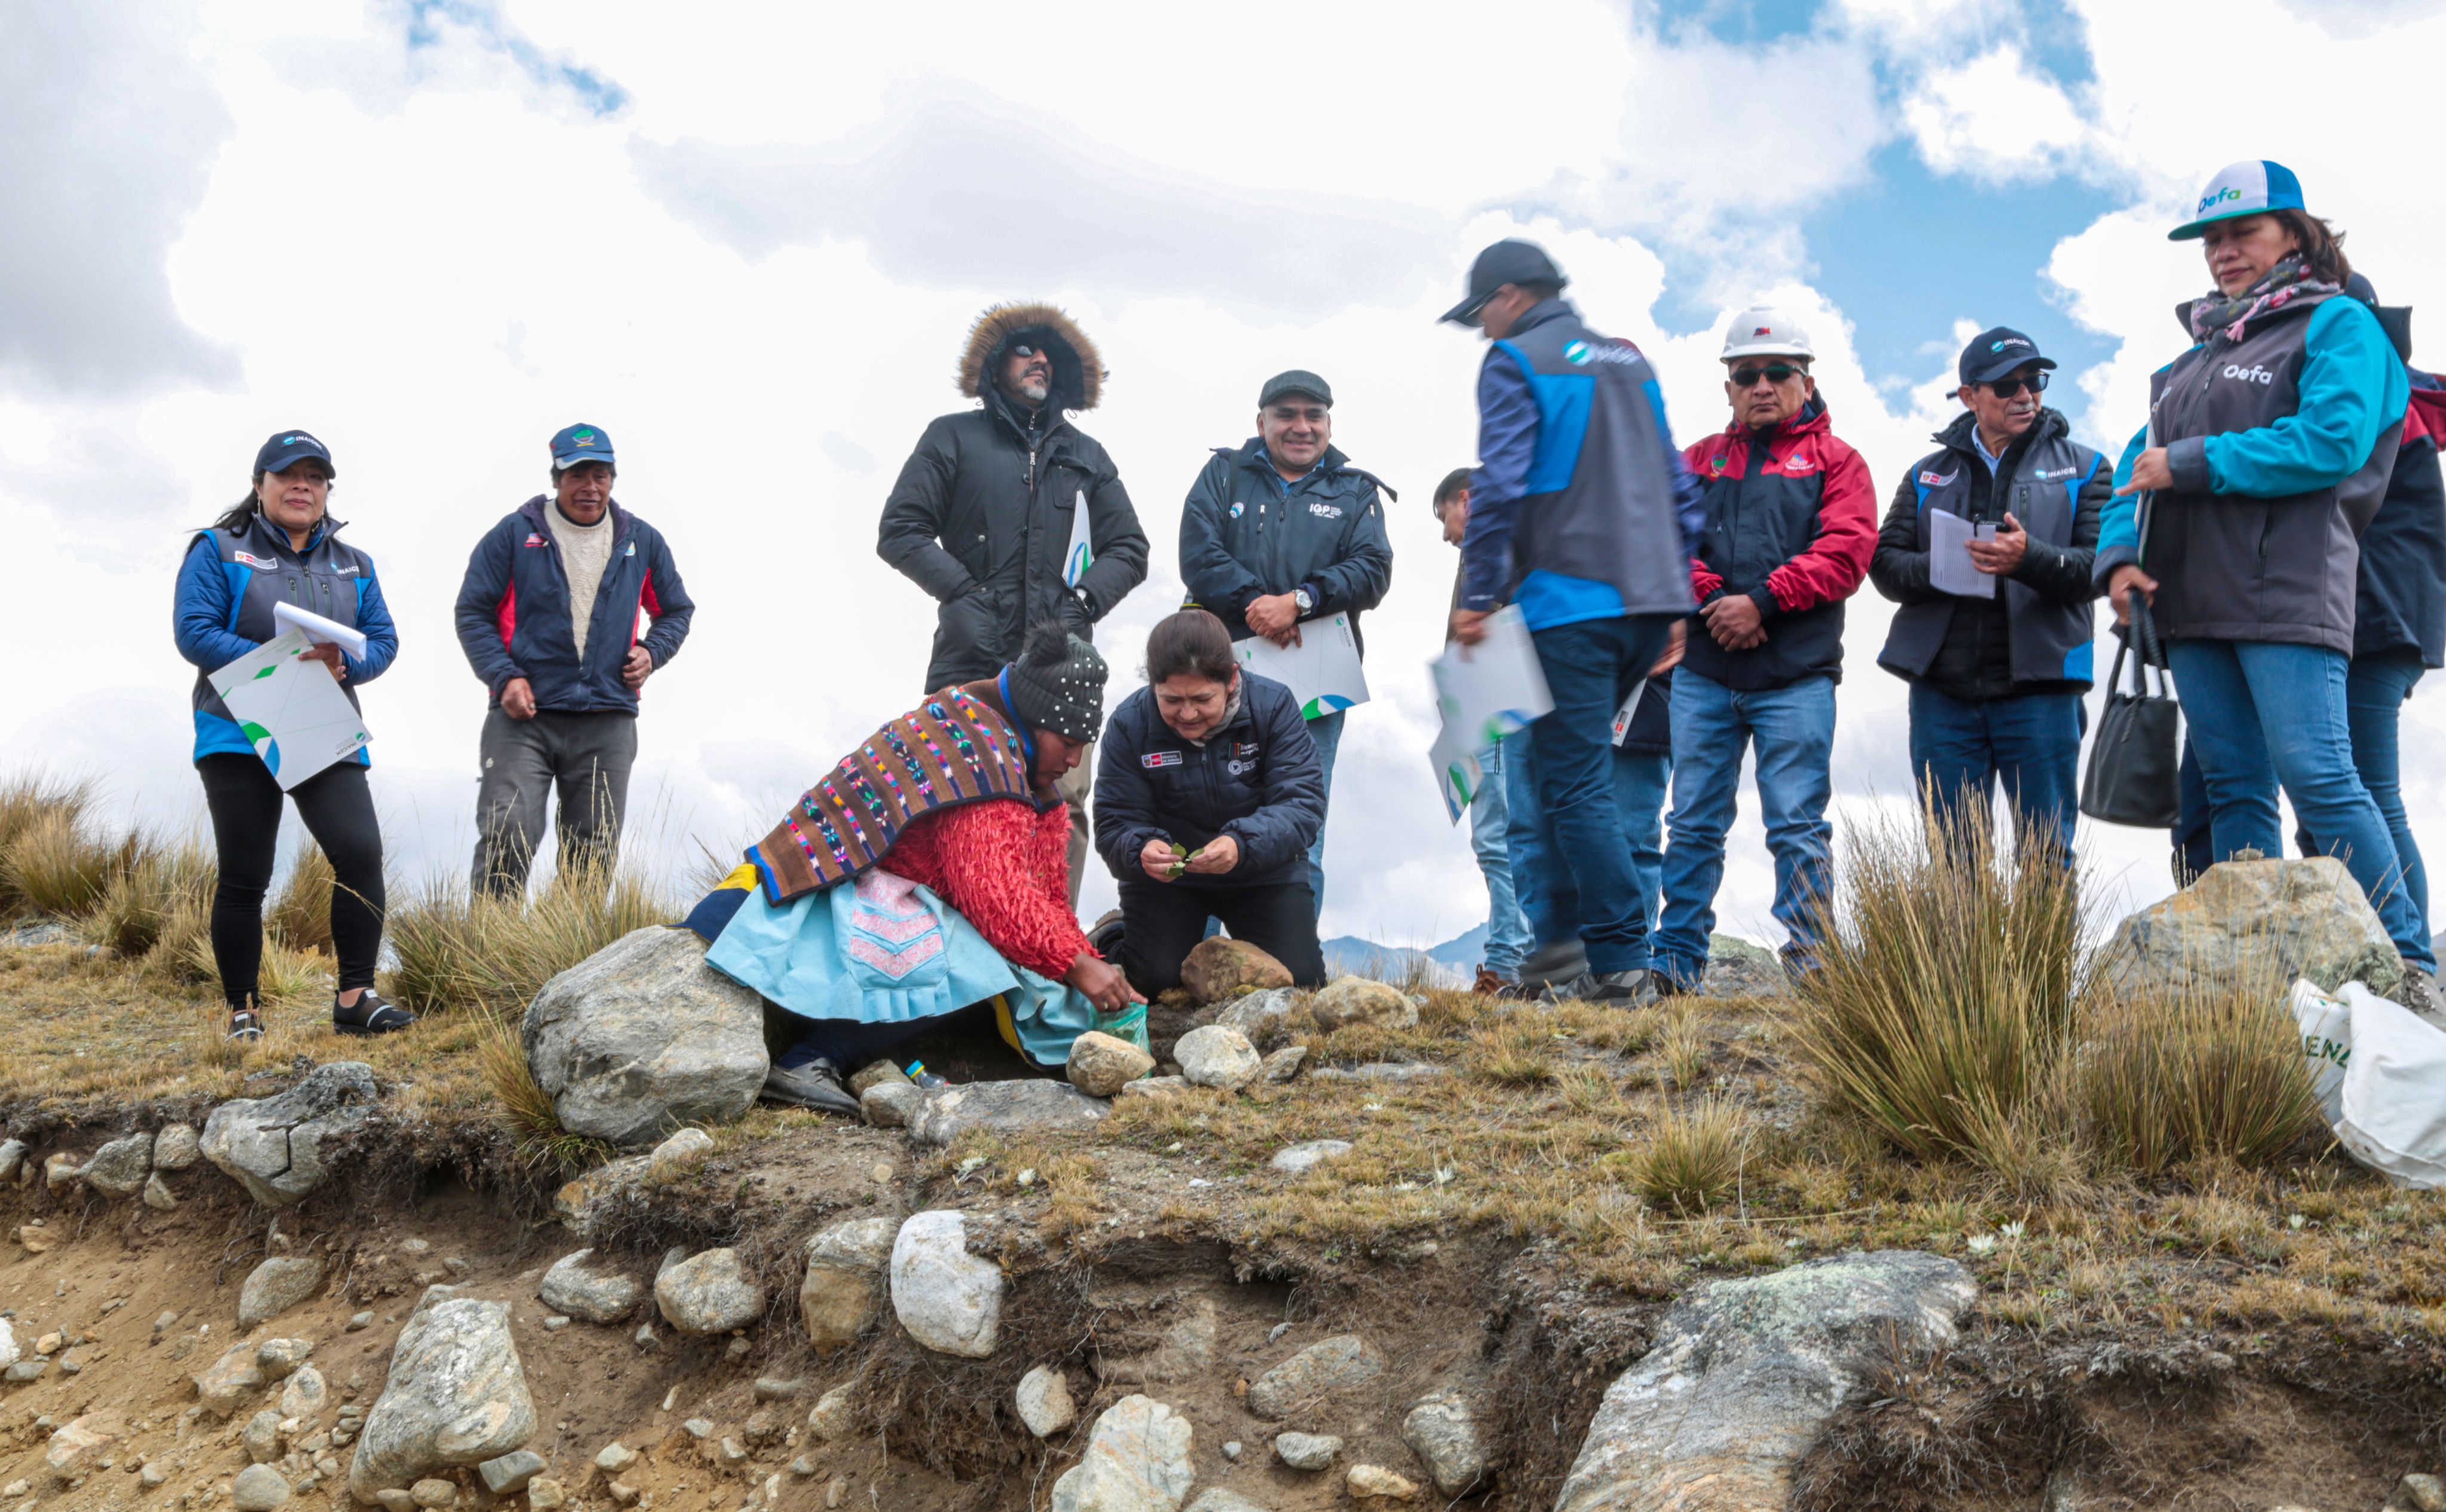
column 1494, row 688
column 291, row 708
column 1321, row 672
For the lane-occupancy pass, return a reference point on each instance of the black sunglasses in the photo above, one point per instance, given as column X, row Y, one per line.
column 1777, row 372
column 2007, row 387
column 1023, row 350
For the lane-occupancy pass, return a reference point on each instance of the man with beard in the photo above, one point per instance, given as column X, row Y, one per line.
column 1011, row 516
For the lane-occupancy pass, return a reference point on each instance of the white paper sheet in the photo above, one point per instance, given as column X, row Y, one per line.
column 291, row 708
column 1949, row 568
column 1082, row 554
column 1629, row 712
column 1458, row 772
column 1494, row 687
column 319, row 632
column 1321, row 672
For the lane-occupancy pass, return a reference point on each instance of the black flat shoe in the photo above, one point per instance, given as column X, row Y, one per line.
column 370, row 1015
column 816, row 1085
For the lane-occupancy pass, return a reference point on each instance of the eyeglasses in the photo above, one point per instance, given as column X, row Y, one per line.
column 1773, row 372
column 1025, row 350
column 2007, row 387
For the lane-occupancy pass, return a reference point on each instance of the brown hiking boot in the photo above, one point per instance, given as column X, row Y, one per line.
column 1488, row 984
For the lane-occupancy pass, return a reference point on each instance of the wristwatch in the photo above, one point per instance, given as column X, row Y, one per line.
column 1306, row 600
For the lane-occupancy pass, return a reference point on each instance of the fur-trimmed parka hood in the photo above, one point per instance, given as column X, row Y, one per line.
column 1077, row 372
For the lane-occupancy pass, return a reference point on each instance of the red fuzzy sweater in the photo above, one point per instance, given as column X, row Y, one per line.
column 1007, row 870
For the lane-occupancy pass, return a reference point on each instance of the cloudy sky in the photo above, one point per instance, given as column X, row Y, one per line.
column 748, row 240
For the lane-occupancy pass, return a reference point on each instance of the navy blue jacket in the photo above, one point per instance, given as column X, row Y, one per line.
column 2401, row 602
column 1257, row 779
column 227, row 588
column 514, row 612
column 1244, row 532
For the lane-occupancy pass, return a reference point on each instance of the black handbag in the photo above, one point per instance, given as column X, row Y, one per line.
column 2134, row 775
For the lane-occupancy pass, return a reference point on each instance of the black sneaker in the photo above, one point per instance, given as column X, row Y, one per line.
column 816, row 1085
column 245, row 1023
column 370, row 1015
column 1631, row 989
column 1562, row 962
column 2418, row 991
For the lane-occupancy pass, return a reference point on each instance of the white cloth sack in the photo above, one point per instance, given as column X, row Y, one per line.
column 2390, row 1109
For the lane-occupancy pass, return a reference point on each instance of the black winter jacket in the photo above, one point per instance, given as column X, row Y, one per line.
column 1965, row 647
column 980, row 518
column 1257, row 779
column 2401, row 598
column 1241, row 539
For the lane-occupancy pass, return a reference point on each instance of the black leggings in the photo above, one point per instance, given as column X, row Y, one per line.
column 338, row 810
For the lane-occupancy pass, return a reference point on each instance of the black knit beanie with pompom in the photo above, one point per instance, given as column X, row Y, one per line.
column 1057, row 684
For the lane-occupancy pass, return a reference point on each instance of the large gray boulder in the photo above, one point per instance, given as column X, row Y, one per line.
column 843, row 1292
column 1027, row 1106
column 1318, row 1374
column 456, row 1394
column 949, row 1300
column 1138, row 1460
column 1744, row 1374
column 2264, row 921
column 643, row 1036
column 273, row 1146
column 576, row 1286
column 708, row 1293
column 120, row 1167
column 276, row 1286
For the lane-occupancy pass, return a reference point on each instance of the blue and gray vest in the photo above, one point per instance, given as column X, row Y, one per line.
column 2234, row 566
column 259, row 569
column 1599, row 501
column 2051, row 641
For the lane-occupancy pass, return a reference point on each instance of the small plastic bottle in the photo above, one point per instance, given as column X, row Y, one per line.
column 923, row 1077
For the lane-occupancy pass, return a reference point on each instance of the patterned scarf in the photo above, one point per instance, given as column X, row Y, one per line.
column 2219, row 313
column 954, row 749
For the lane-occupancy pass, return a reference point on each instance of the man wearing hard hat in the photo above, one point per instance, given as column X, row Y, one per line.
column 1791, row 525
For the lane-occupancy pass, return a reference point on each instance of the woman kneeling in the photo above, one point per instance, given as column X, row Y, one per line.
column 1207, row 795
column 926, row 873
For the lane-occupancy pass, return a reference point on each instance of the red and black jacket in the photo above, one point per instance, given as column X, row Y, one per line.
column 514, row 612
column 1792, row 522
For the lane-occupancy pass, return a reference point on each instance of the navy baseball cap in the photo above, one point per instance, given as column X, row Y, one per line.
column 581, row 444
column 287, row 448
column 1506, row 262
column 1998, row 352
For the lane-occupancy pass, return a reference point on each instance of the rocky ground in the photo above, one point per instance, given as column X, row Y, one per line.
column 1360, row 1249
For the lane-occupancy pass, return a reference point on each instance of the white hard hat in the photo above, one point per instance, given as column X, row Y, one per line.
column 1762, row 331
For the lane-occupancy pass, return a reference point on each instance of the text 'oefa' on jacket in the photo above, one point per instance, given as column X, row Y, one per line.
column 1256, row 778
column 2035, row 635
column 981, row 515
column 229, row 584
column 1792, row 522
column 1599, row 499
column 514, row 612
column 2259, row 537
column 1244, row 532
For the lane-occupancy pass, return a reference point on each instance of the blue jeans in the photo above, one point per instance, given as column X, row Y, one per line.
column 2374, row 691
column 1507, row 929
column 1794, row 728
column 1639, row 783
column 1325, row 729
column 2265, row 713
column 2030, row 744
column 1588, row 884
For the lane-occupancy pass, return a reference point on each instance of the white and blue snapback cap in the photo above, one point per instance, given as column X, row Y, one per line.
column 2251, row 187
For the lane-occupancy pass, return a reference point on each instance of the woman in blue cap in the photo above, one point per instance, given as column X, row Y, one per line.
column 2266, row 456
column 279, row 545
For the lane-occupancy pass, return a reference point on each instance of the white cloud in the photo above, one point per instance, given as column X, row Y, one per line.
column 1993, row 119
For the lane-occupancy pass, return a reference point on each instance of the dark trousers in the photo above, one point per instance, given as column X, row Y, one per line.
column 1590, row 885
column 586, row 758
column 1161, row 922
column 338, row 810
column 2028, row 745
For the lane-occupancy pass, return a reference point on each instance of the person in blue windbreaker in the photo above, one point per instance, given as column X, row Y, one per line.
column 280, row 545
column 2265, row 457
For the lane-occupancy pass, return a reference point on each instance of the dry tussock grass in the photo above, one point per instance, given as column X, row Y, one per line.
column 459, row 951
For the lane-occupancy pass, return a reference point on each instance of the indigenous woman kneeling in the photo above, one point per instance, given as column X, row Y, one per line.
column 1207, row 795
column 926, row 873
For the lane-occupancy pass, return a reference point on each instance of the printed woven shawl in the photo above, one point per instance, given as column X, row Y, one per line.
column 949, row 750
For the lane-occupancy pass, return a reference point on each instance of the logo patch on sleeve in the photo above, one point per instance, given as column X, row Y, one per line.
column 1159, row 758
column 535, row 538
column 1935, row 479
column 255, row 562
